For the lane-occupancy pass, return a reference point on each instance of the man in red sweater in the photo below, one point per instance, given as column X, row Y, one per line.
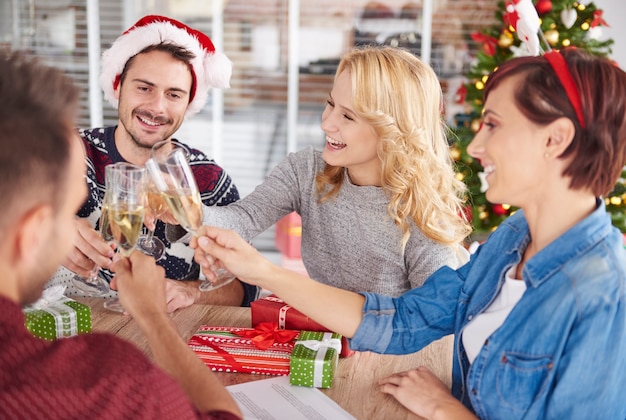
column 42, row 172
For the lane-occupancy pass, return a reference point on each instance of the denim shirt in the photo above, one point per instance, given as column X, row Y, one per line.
column 561, row 352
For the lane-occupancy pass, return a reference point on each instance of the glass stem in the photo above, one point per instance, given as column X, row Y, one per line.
column 149, row 243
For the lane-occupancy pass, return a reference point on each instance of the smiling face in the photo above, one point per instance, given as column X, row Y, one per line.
column 510, row 148
column 350, row 141
column 153, row 99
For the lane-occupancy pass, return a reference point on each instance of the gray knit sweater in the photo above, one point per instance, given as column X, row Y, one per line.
column 349, row 241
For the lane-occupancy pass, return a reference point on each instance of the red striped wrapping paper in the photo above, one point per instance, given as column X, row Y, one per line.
column 221, row 349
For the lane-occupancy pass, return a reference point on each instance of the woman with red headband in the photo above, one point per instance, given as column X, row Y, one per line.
column 539, row 312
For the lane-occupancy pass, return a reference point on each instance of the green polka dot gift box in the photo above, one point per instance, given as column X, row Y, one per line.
column 314, row 359
column 57, row 316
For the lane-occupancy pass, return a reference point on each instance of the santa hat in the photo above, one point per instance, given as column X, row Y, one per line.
column 208, row 69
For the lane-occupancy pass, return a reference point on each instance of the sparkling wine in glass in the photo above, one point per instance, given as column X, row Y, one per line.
column 125, row 212
column 171, row 174
column 148, row 244
column 94, row 285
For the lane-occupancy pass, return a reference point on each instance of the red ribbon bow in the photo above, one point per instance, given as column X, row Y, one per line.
column 489, row 42
column 267, row 333
column 597, row 19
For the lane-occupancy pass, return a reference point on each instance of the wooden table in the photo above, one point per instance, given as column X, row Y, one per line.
column 354, row 385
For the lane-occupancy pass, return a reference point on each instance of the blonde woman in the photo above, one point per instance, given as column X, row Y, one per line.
column 380, row 205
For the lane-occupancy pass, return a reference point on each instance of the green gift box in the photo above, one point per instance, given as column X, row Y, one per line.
column 57, row 317
column 314, row 359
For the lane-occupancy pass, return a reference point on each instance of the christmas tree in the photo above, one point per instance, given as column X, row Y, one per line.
column 564, row 23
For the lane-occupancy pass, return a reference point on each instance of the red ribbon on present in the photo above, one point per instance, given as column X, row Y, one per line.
column 597, row 19
column 489, row 42
column 267, row 333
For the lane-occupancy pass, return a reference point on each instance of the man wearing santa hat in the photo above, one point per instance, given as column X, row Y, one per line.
column 156, row 74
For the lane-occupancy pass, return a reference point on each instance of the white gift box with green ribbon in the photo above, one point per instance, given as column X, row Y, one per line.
column 56, row 316
column 314, row 359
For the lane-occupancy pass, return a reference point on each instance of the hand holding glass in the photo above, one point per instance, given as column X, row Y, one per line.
column 171, row 174
column 125, row 211
column 94, row 285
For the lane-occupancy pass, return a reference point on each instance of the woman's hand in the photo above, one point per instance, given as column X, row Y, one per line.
column 423, row 393
column 215, row 247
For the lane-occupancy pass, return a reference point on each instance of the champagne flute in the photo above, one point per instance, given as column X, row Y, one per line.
column 94, row 285
column 171, row 174
column 125, row 211
column 148, row 244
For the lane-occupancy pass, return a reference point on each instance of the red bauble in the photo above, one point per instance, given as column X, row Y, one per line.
column 499, row 210
column 544, row 6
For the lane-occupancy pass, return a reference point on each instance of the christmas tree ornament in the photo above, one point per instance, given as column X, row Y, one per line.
column 489, row 42
column 505, row 40
column 484, row 185
column 527, row 25
column 475, row 126
column 568, row 17
column 595, row 34
column 597, row 19
column 544, row 6
column 552, row 36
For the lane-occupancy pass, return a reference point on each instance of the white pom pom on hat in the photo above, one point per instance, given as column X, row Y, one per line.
column 209, row 68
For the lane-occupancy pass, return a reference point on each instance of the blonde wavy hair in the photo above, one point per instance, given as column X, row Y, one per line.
column 401, row 98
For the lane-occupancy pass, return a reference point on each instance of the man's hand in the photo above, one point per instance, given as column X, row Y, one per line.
column 180, row 294
column 141, row 285
column 89, row 250
column 424, row 394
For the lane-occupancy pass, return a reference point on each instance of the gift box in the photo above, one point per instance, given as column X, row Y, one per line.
column 57, row 316
column 288, row 236
column 314, row 359
column 263, row 350
column 273, row 309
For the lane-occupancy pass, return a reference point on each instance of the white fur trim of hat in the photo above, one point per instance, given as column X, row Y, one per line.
column 210, row 69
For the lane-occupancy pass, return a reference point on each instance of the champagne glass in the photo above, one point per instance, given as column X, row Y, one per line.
column 94, row 285
column 125, row 212
column 148, row 244
column 171, row 174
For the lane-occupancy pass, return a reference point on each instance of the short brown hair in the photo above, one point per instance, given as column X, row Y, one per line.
column 38, row 107
column 175, row 50
column 598, row 151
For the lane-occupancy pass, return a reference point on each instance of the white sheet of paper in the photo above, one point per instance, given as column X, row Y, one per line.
column 276, row 399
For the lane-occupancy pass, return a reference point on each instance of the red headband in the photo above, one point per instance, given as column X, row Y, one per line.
column 559, row 66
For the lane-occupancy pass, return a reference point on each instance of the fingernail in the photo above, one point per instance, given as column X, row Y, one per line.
column 203, row 241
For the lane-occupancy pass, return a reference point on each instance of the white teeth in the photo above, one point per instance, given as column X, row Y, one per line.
column 334, row 142
column 148, row 122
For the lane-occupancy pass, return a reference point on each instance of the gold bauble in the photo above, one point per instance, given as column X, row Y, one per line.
column 475, row 126
column 552, row 36
column 505, row 41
